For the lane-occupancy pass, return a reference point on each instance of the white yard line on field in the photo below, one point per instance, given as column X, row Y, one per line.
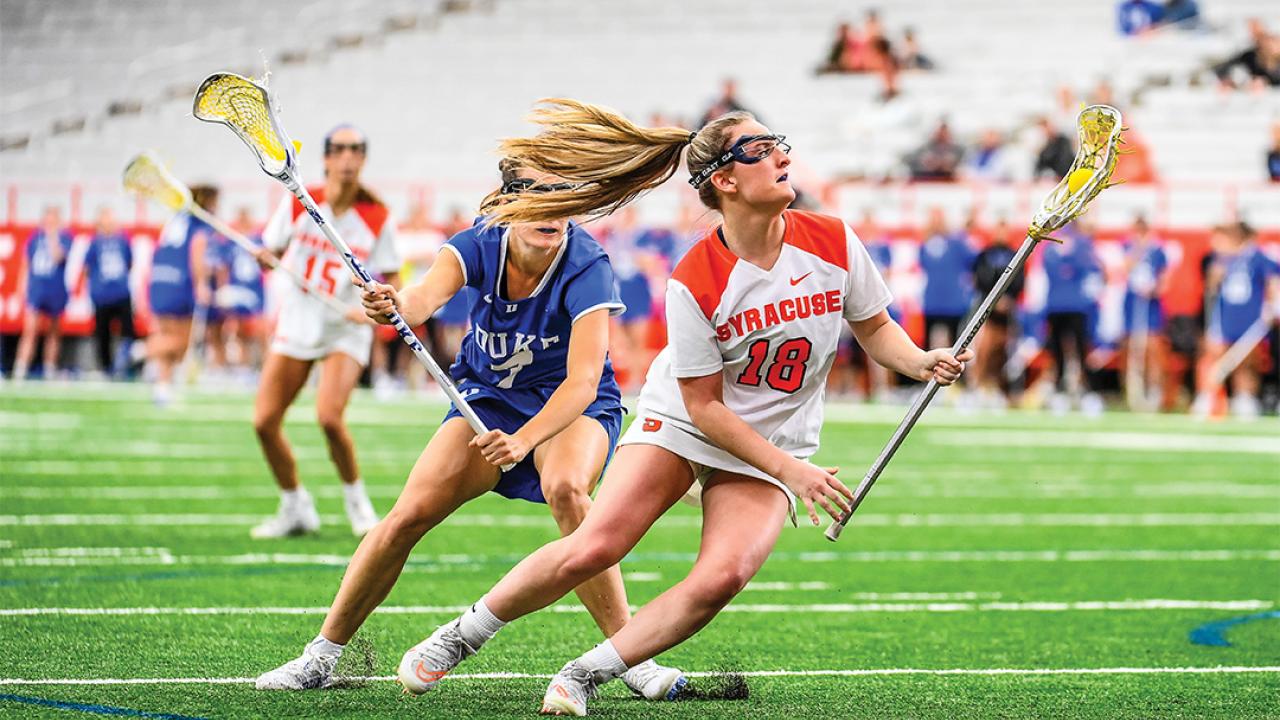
column 868, row 672
column 749, row 608
column 1031, row 490
column 90, row 557
column 1098, row 440
column 864, row 520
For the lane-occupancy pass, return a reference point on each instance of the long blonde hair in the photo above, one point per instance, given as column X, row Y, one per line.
column 613, row 159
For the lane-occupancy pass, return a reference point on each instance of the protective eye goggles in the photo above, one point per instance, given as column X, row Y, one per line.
column 333, row 148
column 749, row 150
column 529, row 185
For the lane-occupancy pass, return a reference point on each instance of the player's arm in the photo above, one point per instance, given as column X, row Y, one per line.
column 888, row 344
column 588, row 345
column 276, row 235
column 419, row 301
column 704, row 400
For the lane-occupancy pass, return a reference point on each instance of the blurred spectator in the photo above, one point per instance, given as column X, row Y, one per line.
column 107, row 263
column 1067, row 266
column 880, row 58
column 1259, row 65
column 910, row 58
column 946, row 259
column 726, row 103
column 988, row 160
column 1273, row 155
column 1135, row 17
column 1056, row 153
column 938, row 158
column 872, row 28
column 45, row 291
column 845, row 55
column 1183, row 13
column 992, row 343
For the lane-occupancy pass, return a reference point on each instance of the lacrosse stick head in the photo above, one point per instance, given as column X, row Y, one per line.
column 249, row 109
column 146, row 175
column 1099, row 127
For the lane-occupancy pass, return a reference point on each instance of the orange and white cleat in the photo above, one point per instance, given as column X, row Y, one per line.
column 569, row 691
column 428, row 662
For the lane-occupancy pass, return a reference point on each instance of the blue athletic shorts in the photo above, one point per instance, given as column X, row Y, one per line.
column 522, row 481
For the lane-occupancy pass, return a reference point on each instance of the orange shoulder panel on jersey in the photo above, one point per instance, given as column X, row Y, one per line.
column 317, row 194
column 705, row 271
column 374, row 215
column 821, row 235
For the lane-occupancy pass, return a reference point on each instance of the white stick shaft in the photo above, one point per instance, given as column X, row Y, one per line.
column 397, row 322
column 1240, row 350
column 225, row 230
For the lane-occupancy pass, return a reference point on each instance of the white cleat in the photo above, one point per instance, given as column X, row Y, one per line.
column 428, row 662
column 569, row 691
column 292, row 518
column 311, row 671
column 360, row 513
column 652, row 681
column 1091, row 405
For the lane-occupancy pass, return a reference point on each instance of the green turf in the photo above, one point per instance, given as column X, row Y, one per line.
column 1027, row 486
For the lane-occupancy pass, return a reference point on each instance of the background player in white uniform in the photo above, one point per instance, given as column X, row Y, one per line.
column 733, row 404
column 307, row 331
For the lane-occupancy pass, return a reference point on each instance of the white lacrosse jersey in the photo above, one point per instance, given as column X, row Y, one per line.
column 306, row 329
column 773, row 334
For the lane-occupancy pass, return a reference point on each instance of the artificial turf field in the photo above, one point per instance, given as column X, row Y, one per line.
column 1005, row 566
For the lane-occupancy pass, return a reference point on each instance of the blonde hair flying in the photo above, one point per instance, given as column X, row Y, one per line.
column 612, row 160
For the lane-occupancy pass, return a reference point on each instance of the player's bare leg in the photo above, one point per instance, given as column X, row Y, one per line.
column 569, row 465
column 282, row 379
column 643, row 482
column 52, row 347
column 338, row 377
column 741, row 520
column 447, row 474
column 166, row 346
column 26, row 343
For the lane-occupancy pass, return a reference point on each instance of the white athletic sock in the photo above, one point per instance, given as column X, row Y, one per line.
column 293, row 498
column 604, row 661
column 354, row 492
column 323, row 647
column 478, row 624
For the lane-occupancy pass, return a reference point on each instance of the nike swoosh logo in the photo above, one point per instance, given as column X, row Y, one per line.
column 797, row 281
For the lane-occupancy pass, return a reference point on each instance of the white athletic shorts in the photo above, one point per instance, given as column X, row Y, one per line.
column 307, row 330
column 703, row 456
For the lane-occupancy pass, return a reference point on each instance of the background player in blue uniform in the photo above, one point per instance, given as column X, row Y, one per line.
column 241, row 296
column 946, row 259
column 535, row 368
column 46, row 293
column 1240, row 279
column 1147, row 266
column 179, row 283
column 994, row 339
column 107, row 263
column 1067, row 310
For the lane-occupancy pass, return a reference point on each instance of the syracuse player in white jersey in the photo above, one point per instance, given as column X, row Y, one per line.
column 732, row 408
column 307, row 331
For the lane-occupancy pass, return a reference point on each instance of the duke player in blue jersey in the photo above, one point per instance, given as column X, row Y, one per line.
column 46, row 293
column 107, row 263
column 241, row 295
column 535, row 368
column 179, row 283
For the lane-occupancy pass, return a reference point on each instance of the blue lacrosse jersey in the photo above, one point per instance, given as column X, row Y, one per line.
column 107, row 264
column 947, row 262
column 1068, row 268
column 244, row 277
column 516, row 350
column 1242, row 292
column 1140, row 292
column 46, row 279
column 171, row 291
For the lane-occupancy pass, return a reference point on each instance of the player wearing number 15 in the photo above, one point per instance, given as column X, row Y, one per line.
column 308, row 332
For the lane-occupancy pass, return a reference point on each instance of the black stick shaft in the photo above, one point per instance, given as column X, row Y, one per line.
column 922, row 400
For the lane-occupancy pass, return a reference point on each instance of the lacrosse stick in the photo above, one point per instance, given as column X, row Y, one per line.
column 147, row 177
column 250, row 111
column 1240, row 350
column 1099, row 127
